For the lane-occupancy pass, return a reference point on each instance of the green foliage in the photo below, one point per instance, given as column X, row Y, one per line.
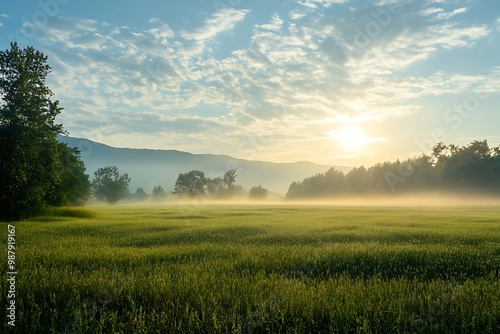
column 73, row 186
column 29, row 155
column 195, row 183
column 230, row 270
column 140, row 194
column 70, row 212
column 474, row 167
column 109, row 186
column 215, row 187
column 258, row 192
column 329, row 183
column 192, row 183
column 229, row 179
column 159, row 192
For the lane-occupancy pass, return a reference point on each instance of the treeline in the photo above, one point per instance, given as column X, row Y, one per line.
column 195, row 183
column 474, row 167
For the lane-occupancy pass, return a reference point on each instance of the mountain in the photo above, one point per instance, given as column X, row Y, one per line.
column 149, row 168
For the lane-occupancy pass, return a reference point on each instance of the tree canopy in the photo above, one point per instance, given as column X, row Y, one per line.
column 195, row 183
column 34, row 170
column 191, row 183
column 258, row 192
column 140, row 194
column 473, row 167
column 109, row 185
column 159, row 192
column 72, row 186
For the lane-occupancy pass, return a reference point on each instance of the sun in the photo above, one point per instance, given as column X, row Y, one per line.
column 351, row 138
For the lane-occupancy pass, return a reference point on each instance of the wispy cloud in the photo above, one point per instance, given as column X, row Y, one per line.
column 313, row 4
column 431, row 10
column 223, row 20
column 3, row 16
column 446, row 16
column 295, row 79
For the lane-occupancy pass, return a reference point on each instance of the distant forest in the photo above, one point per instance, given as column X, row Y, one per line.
column 471, row 168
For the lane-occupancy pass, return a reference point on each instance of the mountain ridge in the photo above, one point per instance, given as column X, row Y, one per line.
column 148, row 168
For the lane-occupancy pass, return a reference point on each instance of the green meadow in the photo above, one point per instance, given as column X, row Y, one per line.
column 258, row 269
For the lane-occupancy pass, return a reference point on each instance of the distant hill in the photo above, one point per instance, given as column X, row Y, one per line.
column 148, row 168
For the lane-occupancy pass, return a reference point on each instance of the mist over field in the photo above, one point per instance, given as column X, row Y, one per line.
column 420, row 199
column 408, row 200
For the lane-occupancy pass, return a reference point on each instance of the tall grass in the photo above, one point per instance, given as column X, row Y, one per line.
column 53, row 213
column 252, row 269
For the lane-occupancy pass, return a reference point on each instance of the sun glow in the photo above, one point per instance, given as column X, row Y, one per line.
column 351, row 138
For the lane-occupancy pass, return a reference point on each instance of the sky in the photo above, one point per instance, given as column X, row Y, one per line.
column 335, row 82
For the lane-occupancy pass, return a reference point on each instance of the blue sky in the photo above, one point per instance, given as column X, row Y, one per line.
column 337, row 82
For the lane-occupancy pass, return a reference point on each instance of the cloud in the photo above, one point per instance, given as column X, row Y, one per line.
column 431, row 10
column 3, row 16
column 293, row 79
column 58, row 29
column 223, row 20
column 446, row 16
column 313, row 4
column 410, row 47
column 297, row 15
column 275, row 24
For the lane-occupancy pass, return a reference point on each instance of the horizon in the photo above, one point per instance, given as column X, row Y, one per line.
column 176, row 150
column 332, row 82
column 265, row 161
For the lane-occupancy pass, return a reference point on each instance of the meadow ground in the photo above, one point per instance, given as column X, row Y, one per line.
column 258, row 269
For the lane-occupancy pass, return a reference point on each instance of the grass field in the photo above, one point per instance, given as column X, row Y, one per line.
column 258, row 269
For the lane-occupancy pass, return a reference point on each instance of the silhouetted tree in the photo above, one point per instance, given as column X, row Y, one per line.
column 215, row 187
column 473, row 167
column 468, row 167
column 229, row 179
column 357, row 180
column 140, row 194
column 327, row 184
column 258, row 192
column 109, row 185
column 158, row 192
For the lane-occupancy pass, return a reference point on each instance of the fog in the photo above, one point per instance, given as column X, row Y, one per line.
column 422, row 199
column 408, row 200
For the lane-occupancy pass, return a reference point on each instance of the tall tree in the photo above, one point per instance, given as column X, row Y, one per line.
column 140, row 194
column 28, row 145
column 192, row 183
column 159, row 192
column 229, row 179
column 109, row 185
